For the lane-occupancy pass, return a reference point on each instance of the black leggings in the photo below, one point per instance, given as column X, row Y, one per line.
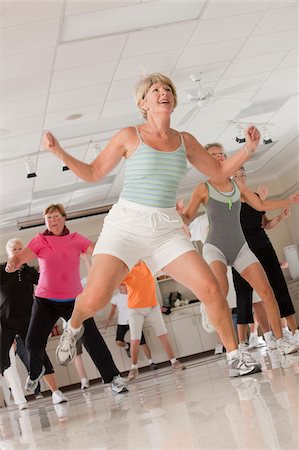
column 45, row 314
column 268, row 259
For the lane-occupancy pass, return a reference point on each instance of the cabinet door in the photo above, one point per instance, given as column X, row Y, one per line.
column 90, row 369
column 209, row 340
column 187, row 336
column 116, row 352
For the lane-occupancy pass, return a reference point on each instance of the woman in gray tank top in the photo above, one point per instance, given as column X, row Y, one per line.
column 226, row 245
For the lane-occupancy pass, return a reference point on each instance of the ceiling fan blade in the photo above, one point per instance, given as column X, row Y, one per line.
column 188, row 116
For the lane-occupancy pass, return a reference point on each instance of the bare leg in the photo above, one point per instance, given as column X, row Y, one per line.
column 146, row 351
column 292, row 323
column 260, row 317
column 256, row 277
column 242, row 332
column 220, row 271
column 193, row 272
column 105, row 275
column 50, row 379
column 80, row 367
column 166, row 345
column 134, row 350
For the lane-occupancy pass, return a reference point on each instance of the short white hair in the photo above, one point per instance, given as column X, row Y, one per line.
column 11, row 242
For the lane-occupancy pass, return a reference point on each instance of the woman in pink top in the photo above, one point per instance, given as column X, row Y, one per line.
column 58, row 252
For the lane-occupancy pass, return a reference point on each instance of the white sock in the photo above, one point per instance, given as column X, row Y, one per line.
column 134, row 366
column 73, row 330
column 253, row 333
column 150, row 361
column 286, row 329
column 232, row 354
column 173, row 360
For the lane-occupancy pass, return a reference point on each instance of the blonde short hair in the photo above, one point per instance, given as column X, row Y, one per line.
column 144, row 85
column 214, row 144
column 55, row 207
column 11, row 242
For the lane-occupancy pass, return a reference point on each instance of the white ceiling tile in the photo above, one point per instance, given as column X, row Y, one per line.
column 209, row 53
column 86, row 6
column 283, row 4
column 29, row 37
column 94, row 194
column 58, row 118
column 158, row 39
column 278, row 20
column 26, row 64
column 83, row 76
column 119, row 107
column 234, row 8
column 17, row 171
column 19, row 13
column 224, row 28
column 27, row 125
column 268, row 43
column 17, row 109
column 19, row 145
column 157, row 62
column 76, row 98
column 240, row 67
column 208, row 73
column 121, row 89
column 37, row 206
column 24, row 87
column 91, row 51
column 291, row 59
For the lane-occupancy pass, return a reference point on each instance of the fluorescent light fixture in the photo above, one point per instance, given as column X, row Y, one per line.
column 32, row 222
column 128, row 18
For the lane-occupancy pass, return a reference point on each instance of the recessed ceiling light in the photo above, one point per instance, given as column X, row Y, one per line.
column 73, row 117
column 4, row 132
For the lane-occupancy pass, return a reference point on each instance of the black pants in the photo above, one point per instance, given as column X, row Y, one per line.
column 22, row 352
column 45, row 314
column 9, row 328
column 268, row 259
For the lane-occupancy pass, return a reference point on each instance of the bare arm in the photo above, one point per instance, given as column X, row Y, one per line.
column 102, row 165
column 15, row 262
column 89, row 252
column 199, row 196
column 268, row 224
column 266, row 205
column 111, row 315
column 204, row 162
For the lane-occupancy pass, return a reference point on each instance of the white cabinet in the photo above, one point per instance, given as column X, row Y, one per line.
column 187, row 337
column 293, row 287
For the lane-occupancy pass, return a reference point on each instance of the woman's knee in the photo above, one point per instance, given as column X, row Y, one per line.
column 210, row 291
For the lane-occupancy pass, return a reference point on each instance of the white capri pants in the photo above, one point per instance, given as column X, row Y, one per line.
column 151, row 316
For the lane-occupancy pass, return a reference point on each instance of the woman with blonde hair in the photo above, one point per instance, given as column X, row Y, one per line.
column 144, row 223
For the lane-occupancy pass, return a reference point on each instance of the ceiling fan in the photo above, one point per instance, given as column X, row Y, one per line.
column 201, row 96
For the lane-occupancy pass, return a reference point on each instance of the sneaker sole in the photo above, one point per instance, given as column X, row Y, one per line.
column 32, row 389
column 123, row 390
column 255, row 369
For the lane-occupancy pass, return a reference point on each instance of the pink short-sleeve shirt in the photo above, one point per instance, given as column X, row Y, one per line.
column 59, row 264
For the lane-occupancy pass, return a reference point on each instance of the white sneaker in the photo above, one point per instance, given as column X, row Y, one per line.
column 119, row 384
column 286, row 347
column 288, row 335
column 23, row 406
column 218, row 349
column 66, row 351
column 205, row 320
column 270, row 341
column 84, row 383
column 31, row 385
column 58, row 397
column 296, row 338
column 243, row 363
column 133, row 374
column 256, row 341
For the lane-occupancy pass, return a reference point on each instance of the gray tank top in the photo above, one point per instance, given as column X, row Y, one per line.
column 225, row 231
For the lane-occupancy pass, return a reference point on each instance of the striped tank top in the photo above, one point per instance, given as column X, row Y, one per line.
column 152, row 177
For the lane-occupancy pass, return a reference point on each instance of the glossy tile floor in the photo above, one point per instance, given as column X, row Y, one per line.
column 199, row 408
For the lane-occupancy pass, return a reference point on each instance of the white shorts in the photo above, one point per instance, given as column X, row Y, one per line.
column 132, row 232
column 151, row 316
column 244, row 258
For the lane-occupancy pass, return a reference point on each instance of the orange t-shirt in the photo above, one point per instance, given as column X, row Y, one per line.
column 141, row 287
